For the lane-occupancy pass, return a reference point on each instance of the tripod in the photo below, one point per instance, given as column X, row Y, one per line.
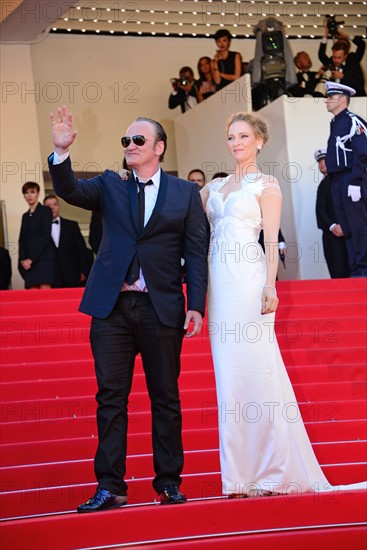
column 271, row 89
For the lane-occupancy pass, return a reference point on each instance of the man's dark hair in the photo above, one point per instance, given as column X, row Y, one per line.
column 187, row 70
column 222, row 32
column 160, row 133
column 196, row 170
column 220, row 175
column 30, row 185
column 50, row 197
column 341, row 45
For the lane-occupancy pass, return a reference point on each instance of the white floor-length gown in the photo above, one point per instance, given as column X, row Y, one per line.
column 263, row 441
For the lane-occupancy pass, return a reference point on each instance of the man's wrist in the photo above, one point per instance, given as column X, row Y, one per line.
column 332, row 227
column 60, row 157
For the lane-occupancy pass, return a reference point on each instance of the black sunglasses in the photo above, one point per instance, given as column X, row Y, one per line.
column 137, row 140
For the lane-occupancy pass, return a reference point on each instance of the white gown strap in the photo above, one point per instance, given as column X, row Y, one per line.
column 217, row 183
column 270, row 187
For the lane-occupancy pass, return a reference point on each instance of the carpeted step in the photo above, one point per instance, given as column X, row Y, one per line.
column 217, row 517
column 17, row 500
column 13, row 454
column 291, row 335
column 322, row 285
column 36, row 426
column 314, row 285
column 191, row 374
column 49, row 330
column 74, row 328
column 50, row 437
column 47, row 392
column 65, row 472
column 337, row 538
column 323, row 353
column 327, row 373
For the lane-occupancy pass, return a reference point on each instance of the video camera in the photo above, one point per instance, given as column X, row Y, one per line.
column 176, row 81
column 272, row 42
column 272, row 62
column 332, row 25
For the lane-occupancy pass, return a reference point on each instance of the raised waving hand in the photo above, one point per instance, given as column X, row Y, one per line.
column 63, row 134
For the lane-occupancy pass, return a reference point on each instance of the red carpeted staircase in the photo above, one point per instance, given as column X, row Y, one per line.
column 48, row 432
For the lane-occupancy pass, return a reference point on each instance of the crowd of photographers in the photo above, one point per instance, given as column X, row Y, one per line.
column 343, row 66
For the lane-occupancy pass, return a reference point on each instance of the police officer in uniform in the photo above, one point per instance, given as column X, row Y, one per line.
column 346, row 162
column 333, row 241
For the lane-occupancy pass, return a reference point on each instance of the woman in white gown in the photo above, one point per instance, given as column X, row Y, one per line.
column 264, row 447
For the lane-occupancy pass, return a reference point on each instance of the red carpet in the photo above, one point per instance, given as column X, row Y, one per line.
column 48, row 432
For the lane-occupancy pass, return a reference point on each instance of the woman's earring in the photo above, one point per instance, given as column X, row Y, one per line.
column 259, row 147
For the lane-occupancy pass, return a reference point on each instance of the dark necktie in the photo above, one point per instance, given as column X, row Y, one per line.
column 141, row 201
column 55, row 221
column 134, row 269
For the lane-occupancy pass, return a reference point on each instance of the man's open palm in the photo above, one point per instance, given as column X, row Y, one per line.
column 62, row 129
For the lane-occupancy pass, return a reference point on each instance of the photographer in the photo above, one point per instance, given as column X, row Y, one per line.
column 186, row 92
column 345, row 67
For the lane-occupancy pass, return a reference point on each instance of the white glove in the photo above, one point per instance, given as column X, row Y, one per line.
column 354, row 192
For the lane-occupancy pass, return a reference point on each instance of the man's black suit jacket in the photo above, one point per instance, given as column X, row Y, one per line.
column 352, row 70
column 305, row 86
column 180, row 97
column 5, row 269
column 176, row 229
column 325, row 211
column 71, row 255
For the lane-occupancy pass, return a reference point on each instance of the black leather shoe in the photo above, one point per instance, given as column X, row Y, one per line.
column 171, row 494
column 102, row 500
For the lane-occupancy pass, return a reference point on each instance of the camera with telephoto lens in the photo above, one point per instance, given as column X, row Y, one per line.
column 332, row 25
column 176, row 81
column 331, row 67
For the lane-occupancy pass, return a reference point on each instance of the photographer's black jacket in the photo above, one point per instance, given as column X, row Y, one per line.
column 180, row 97
column 352, row 70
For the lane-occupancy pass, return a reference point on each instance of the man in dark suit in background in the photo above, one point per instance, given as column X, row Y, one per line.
column 345, row 65
column 335, row 250
column 72, row 265
column 5, row 269
column 307, row 80
column 134, row 293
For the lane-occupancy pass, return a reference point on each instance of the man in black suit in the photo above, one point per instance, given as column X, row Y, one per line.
column 134, row 293
column 335, row 250
column 345, row 67
column 71, row 251
column 307, row 80
column 185, row 92
column 5, row 269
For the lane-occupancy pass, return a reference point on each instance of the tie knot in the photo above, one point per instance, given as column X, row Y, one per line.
column 143, row 184
column 55, row 221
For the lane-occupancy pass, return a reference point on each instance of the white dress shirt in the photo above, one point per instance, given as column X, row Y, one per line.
column 55, row 231
column 151, row 193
